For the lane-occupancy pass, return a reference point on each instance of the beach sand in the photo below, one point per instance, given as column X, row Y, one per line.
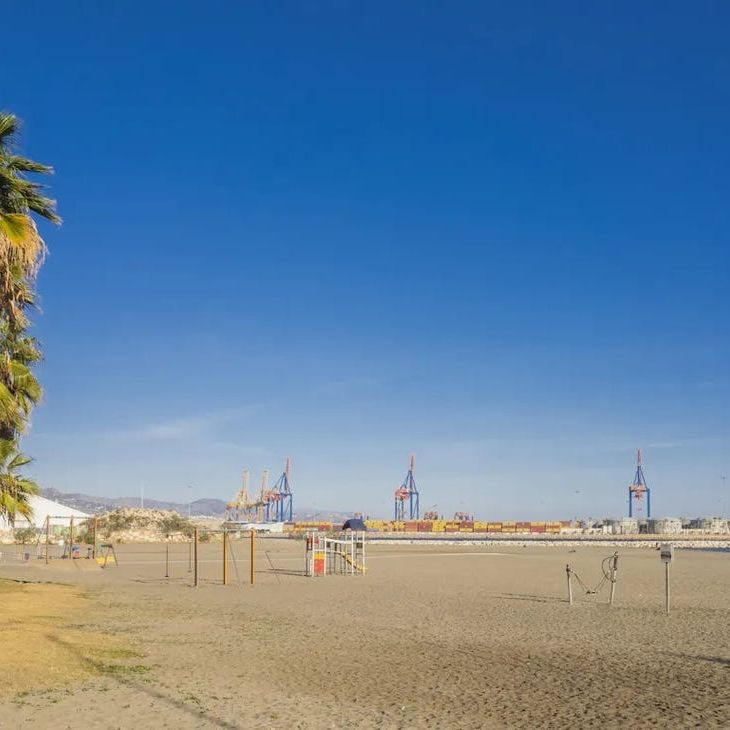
column 432, row 636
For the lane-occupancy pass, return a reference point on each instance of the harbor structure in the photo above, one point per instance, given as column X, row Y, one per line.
column 406, row 496
column 638, row 489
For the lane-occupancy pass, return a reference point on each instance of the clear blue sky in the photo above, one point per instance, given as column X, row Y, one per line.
column 494, row 234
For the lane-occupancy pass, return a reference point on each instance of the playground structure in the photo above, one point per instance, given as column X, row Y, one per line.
column 103, row 554
column 609, row 568
column 637, row 489
column 65, row 537
column 341, row 555
column 407, row 493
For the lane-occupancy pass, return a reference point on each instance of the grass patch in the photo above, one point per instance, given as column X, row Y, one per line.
column 119, row 653
column 41, row 650
column 124, row 670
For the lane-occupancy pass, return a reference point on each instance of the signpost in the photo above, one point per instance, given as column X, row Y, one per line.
column 666, row 552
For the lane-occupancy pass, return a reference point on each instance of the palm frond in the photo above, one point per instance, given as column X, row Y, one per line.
column 8, row 128
column 15, row 489
column 19, row 240
column 23, row 164
column 18, row 460
column 19, row 195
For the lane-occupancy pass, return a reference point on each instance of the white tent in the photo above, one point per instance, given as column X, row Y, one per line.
column 43, row 508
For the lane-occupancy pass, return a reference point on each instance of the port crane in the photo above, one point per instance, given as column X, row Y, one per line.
column 637, row 489
column 279, row 499
column 407, row 493
column 243, row 508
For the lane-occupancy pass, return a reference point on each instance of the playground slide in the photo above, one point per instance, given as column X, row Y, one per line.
column 350, row 561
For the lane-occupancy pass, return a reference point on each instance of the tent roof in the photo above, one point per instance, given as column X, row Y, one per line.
column 355, row 523
column 43, row 508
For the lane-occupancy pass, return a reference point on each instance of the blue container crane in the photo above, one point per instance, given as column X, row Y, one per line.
column 407, row 493
column 638, row 489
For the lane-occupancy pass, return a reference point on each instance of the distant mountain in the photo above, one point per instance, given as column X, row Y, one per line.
column 91, row 504
column 199, row 508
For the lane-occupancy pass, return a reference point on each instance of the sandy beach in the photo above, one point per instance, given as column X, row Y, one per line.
column 432, row 636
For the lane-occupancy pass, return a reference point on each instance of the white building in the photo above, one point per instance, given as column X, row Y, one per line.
column 665, row 526
column 713, row 525
column 43, row 508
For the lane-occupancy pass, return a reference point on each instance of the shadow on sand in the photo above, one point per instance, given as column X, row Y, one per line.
column 712, row 659
column 531, row 597
column 102, row 669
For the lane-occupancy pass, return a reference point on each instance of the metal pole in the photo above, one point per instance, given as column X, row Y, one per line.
column 570, row 587
column 48, row 534
column 225, row 557
column 253, row 556
column 71, row 540
column 195, row 561
column 93, row 551
column 167, row 560
column 666, row 586
column 190, row 557
column 614, row 570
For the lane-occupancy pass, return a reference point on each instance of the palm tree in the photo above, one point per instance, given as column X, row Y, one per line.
column 20, row 390
column 14, row 488
column 21, row 254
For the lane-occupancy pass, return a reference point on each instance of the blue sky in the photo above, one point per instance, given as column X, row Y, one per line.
column 495, row 235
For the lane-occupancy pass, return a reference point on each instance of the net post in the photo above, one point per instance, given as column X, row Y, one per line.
column 195, row 557
column 614, row 570
column 253, row 555
column 48, row 534
column 666, row 586
column 570, row 587
column 225, row 557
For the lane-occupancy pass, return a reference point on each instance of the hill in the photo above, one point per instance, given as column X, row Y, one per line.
column 92, row 504
column 208, row 507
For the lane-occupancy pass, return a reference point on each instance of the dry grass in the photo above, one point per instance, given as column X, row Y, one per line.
column 43, row 644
